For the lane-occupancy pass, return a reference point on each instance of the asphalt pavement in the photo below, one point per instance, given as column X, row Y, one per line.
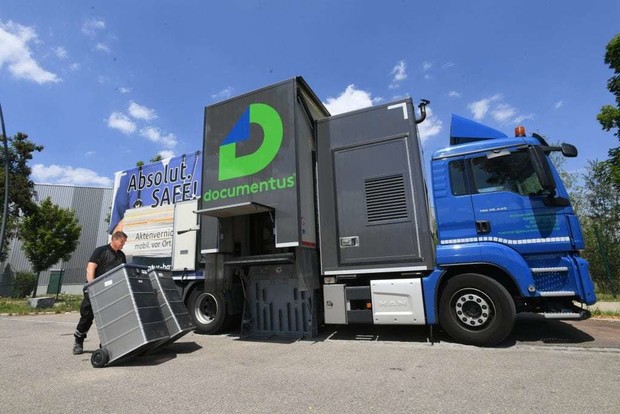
column 545, row 366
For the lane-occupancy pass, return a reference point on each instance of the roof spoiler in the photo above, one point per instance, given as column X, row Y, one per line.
column 463, row 130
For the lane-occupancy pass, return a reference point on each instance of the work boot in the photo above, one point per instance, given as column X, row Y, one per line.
column 78, row 348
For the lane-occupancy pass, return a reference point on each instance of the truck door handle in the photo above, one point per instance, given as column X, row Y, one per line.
column 483, row 226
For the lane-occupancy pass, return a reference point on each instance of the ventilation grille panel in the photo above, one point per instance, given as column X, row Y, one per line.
column 385, row 199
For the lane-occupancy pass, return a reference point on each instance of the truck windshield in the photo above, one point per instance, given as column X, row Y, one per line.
column 512, row 172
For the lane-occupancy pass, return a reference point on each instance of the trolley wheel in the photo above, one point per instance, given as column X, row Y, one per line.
column 100, row 358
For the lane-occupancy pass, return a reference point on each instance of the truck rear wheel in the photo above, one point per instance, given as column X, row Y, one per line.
column 208, row 310
column 476, row 310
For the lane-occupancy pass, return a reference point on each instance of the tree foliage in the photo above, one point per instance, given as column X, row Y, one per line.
column 156, row 158
column 50, row 233
column 609, row 117
column 600, row 217
column 21, row 188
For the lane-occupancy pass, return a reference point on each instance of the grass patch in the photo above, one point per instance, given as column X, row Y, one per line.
column 607, row 297
column 597, row 313
column 65, row 303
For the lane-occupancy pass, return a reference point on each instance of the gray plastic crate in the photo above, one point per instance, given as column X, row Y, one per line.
column 173, row 309
column 127, row 314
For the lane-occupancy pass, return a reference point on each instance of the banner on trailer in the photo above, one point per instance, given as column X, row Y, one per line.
column 143, row 204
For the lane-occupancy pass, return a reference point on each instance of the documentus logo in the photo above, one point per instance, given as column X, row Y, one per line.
column 233, row 166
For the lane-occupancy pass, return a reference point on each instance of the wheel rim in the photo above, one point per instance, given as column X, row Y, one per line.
column 207, row 308
column 98, row 358
column 472, row 308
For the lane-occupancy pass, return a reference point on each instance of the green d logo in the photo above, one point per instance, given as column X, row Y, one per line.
column 269, row 120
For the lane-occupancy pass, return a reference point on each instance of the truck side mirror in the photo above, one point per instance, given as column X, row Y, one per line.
column 569, row 150
column 542, row 169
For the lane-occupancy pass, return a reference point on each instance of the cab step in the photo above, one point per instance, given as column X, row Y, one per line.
column 575, row 315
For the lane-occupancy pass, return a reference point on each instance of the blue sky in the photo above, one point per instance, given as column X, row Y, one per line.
column 103, row 84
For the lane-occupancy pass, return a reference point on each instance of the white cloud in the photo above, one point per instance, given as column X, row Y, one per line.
column 426, row 65
column 224, row 93
column 558, row 104
column 430, row 126
column 91, row 27
column 124, row 90
column 166, row 154
column 447, row 65
column 399, row 73
column 503, row 112
column 154, row 134
column 57, row 174
column 61, row 52
column 74, row 66
column 16, row 55
column 138, row 111
column 121, row 122
column 454, row 94
column 480, row 108
column 522, row 118
column 102, row 47
column 349, row 100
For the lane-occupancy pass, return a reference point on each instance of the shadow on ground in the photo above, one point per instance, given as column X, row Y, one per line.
column 537, row 329
column 529, row 328
column 158, row 356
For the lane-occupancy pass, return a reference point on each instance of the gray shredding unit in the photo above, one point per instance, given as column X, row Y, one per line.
column 128, row 316
column 373, row 207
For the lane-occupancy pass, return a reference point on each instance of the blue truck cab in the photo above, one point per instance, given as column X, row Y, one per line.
column 506, row 227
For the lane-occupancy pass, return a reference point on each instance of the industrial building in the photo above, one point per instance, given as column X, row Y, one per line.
column 92, row 208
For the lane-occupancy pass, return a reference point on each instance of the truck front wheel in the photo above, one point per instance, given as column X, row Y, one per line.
column 207, row 310
column 476, row 310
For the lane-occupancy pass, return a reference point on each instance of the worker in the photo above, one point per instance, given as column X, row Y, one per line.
column 103, row 259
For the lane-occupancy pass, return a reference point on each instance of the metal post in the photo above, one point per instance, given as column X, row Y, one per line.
column 5, row 212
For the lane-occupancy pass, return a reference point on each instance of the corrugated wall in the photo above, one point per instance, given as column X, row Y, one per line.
column 92, row 206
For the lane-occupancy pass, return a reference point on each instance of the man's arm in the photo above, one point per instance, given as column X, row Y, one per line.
column 90, row 271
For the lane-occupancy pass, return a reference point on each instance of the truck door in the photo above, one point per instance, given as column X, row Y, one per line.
column 509, row 204
column 453, row 205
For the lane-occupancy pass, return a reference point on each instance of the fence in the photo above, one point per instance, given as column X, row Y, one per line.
column 73, row 281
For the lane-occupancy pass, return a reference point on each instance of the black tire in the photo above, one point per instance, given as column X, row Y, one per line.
column 208, row 311
column 476, row 310
column 100, row 358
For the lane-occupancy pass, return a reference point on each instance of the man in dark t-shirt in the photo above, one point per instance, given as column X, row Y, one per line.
column 103, row 259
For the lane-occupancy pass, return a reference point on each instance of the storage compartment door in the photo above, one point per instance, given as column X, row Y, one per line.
column 373, row 199
column 184, row 236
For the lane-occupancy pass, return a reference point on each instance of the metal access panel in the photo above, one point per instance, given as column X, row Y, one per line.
column 279, row 303
column 334, row 304
column 127, row 315
column 185, row 235
column 258, row 151
column 397, row 302
column 373, row 206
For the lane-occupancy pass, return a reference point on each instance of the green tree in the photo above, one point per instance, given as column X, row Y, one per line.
column 609, row 117
column 156, row 158
column 50, row 233
column 21, row 188
column 600, row 217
